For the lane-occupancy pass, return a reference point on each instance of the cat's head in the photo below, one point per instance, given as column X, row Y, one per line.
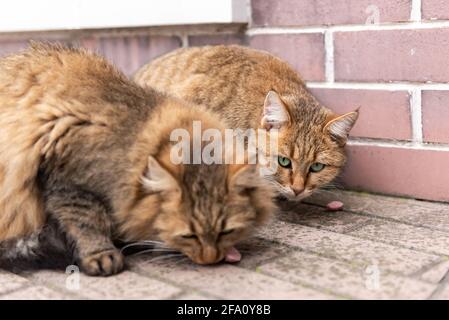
column 311, row 143
column 206, row 209
column 202, row 209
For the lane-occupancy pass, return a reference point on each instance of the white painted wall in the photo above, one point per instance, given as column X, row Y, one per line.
column 40, row 15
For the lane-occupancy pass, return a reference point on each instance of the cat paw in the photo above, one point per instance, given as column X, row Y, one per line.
column 104, row 263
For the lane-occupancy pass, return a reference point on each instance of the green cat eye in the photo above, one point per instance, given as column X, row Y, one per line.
column 284, row 162
column 317, row 167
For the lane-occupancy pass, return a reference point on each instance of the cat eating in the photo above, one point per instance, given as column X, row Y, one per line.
column 85, row 160
column 253, row 89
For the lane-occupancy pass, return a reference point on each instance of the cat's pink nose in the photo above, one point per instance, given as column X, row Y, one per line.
column 297, row 190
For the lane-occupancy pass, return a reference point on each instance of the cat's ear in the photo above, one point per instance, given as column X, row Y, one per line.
column 340, row 126
column 158, row 179
column 275, row 113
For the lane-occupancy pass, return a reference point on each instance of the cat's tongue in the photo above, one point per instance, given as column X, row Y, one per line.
column 233, row 255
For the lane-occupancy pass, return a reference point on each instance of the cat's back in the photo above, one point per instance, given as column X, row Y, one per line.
column 228, row 62
column 47, row 69
column 53, row 58
column 56, row 100
column 232, row 80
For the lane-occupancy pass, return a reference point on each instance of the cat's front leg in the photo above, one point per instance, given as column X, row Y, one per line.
column 88, row 227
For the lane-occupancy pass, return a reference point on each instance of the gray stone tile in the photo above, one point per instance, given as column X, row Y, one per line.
column 10, row 282
column 35, row 293
column 256, row 251
column 437, row 272
column 193, row 296
column 432, row 241
column 229, row 282
column 344, row 279
column 433, row 215
column 319, row 217
column 126, row 285
column 348, row 248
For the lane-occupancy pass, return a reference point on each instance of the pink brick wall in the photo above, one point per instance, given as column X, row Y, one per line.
column 325, row 12
column 396, row 71
column 129, row 52
column 305, row 52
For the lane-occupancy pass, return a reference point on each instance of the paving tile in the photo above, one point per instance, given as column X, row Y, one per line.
column 229, row 282
column 428, row 214
column 432, row 241
column 436, row 273
column 126, row 285
column 10, row 282
column 192, row 296
column 345, row 279
column 305, row 253
column 256, row 251
column 348, row 248
column 442, row 293
column 35, row 293
column 319, row 217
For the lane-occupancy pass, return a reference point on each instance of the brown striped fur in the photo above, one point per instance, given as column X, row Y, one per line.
column 79, row 144
column 235, row 81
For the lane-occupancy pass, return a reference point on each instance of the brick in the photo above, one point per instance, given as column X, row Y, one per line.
column 435, row 112
column 434, row 10
column 432, row 215
column 392, row 55
column 383, row 114
column 443, row 293
column 256, row 251
column 131, row 52
column 193, row 296
column 320, row 218
column 216, row 39
column 398, row 171
column 126, row 285
column 348, row 248
column 436, row 273
column 426, row 240
column 346, row 280
column 326, row 12
column 305, row 52
column 35, row 293
column 10, row 282
column 228, row 282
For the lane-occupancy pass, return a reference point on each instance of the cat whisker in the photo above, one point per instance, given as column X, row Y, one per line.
column 142, row 244
column 160, row 243
column 181, row 260
column 330, row 187
column 154, row 250
column 166, row 257
column 133, row 245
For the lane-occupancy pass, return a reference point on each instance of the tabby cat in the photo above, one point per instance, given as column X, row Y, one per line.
column 85, row 160
column 253, row 89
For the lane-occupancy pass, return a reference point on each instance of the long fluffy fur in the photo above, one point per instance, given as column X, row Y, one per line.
column 76, row 137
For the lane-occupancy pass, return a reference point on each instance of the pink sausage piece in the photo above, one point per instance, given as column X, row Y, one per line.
column 334, row 206
column 233, row 255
